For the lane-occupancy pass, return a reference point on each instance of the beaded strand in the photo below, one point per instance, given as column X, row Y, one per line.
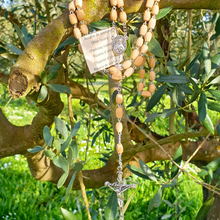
column 77, row 17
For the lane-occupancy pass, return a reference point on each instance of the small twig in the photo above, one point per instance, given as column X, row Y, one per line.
column 171, row 159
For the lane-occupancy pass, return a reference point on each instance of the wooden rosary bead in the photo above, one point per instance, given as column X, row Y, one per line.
column 73, row 18
column 151, row 88
column 152, row 75
column 119, row 148
column 144, row 49
column 143, row 30
column 149, row 3
column 146, row 94
column 138, row 61
column 141, row 73
column 152, row 23
column 84, row 29
column 113, row 2
column 72, row 6
column 113, row 15
column 146, row 16
column 77, row 33
column 119, row 112
column 78, row 3
column 80, row 15
column 119, row 127
column 139, row 42
column 148, row 36
column 126, row 64
column 80, row 48
column 143, row 63
column 120, row 3
column 129, row 72
column 155, row 9
column 117, row 76
column 134, row 54
column 119, row 98
column 140, row 86
column 123, row 16
column 152, row 63
column 114, row 70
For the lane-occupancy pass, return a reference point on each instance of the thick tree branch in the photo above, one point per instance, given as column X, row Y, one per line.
column 10, row 16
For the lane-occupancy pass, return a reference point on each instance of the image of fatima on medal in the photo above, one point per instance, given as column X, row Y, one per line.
column 119, row 45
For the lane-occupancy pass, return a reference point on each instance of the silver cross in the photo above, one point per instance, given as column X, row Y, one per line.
column 119, row 188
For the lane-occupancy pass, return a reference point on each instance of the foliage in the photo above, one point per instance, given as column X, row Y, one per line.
column 188, row 79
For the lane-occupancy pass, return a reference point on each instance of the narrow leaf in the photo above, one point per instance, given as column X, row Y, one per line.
column 35, row 149
column 78, row 166
column 156, row 97
column 177, row 158
column 69, row 188
column 59, row 88
column 100, row 24
column 218, row 129
column 196, row 91
column 75, row 129
column 75, row 149
column 166, row 113
column 208, row 124
column 163, row 12
column 213, row 106
column 205, row 208
column 66, row 144
column 216, row 80
column 69, row 41
column 155, row 48
column 166, row 216
column 193, row 62
column 64, row 163
column 215, row 64
column 202, row 106
column 61, row 126
column 70, row 156
column 111, row 207
column 173, row 79
column 49, row 153
column 137, row 171
column 43, row 94
column 57, row 145
column 68, row 215
column 215, row 93
column 156, row 201
column 147, row 170
column 14, row 49
column 47, row 135
column 56, row 162
column 21, row 35
column 62, row 180
column 206, row 58
column 44, row 77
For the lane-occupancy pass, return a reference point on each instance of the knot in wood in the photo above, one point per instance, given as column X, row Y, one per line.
column 17, row 84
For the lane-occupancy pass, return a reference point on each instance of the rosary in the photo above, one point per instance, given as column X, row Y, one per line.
column 128, row 67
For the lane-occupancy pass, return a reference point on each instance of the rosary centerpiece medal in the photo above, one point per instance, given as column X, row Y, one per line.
column 119, row 45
